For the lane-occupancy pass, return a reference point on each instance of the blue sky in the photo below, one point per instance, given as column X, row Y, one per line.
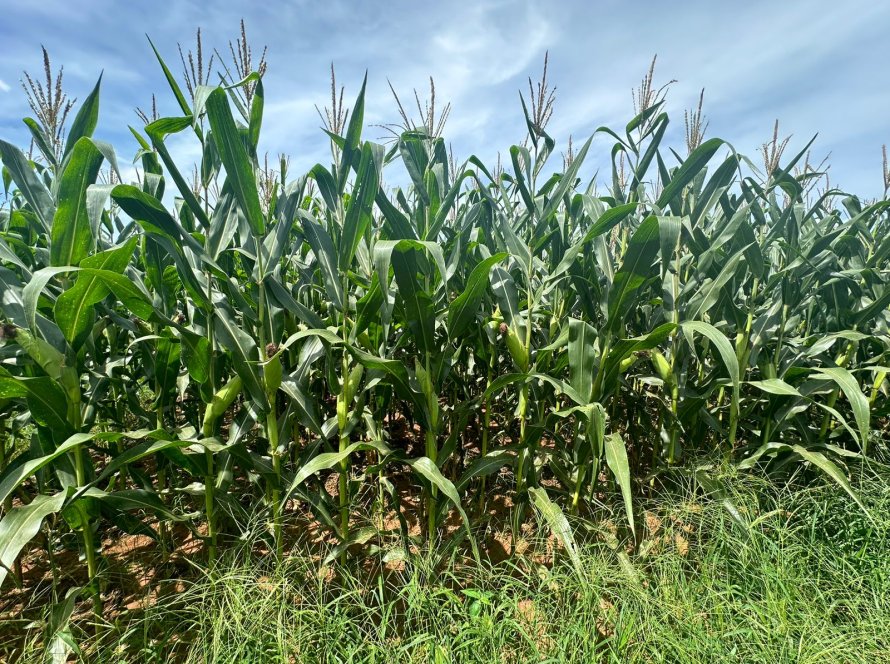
column 813, row 64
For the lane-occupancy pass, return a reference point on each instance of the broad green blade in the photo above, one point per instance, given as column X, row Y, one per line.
column 616, row 459
column 358, row 213
column 34, row 191
column 74, row 307
column 582, row 357
column 558, row 524
column 462, row 310
column 239, row 170
column 71, row 236
column 323, row 248
column 694, row 163
column 638, row 265
column 86, row 119
column 21, row 525
column 858, row 402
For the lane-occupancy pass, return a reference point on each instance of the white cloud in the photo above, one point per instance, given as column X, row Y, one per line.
column 4, row 87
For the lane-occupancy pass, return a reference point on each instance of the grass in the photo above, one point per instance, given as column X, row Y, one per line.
column 807, row 579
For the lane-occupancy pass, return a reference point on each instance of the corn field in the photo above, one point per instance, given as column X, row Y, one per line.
column 199, row 346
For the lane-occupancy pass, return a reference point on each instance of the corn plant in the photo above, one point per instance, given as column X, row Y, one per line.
column 215, row 339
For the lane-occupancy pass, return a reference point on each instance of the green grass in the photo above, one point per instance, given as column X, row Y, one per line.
column 806, row 580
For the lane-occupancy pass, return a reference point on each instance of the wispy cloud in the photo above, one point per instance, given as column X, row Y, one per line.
column 814, row 64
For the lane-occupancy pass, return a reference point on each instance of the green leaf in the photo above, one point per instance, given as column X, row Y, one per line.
column 397, row 224
column 730, row 361
column 358, row 214
column 134, row 499
column 462, row 310
column 776, row 386
column 171, row 80
column 636, row 268
column 34, row 191
column 158, row 441
column 604, row 223
column 304, row 405
column 694, row 163
column 368, row 308
column 46, row 401
column 145, row 208
column 328, row 460
column 47, row 356
column 878, row 306
column 582, row 357
column 74, row 307
column 156, row 131
column 41, row 141
column 414, row 148
column 131, row 293
column 610, row 365
column 166, row 368
column 243, row 351
column 353, row 136
column 162, row 229
column 426, row 468
column 420, row 314
column 779, row 387
column 608, row 219
column 239, row 170
column 394, row 370
column 559, row 526
column 326, row 186
column 829, row 468
column 71, row 236
column 14, row 476
column 195, row 350
column 34, row 289
column 486, row 465
column 256, row 114
column 566, row 181
column 718, row 183
column 383, row 256
column 323, row 248
column 858, row 402
column 86, row 119
column 504, row 288
column 21, row 525
column 397, row 375
column 669, row 236
column 616, row 459
column 60, row 643
column 707, row 296
column 561, row 387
